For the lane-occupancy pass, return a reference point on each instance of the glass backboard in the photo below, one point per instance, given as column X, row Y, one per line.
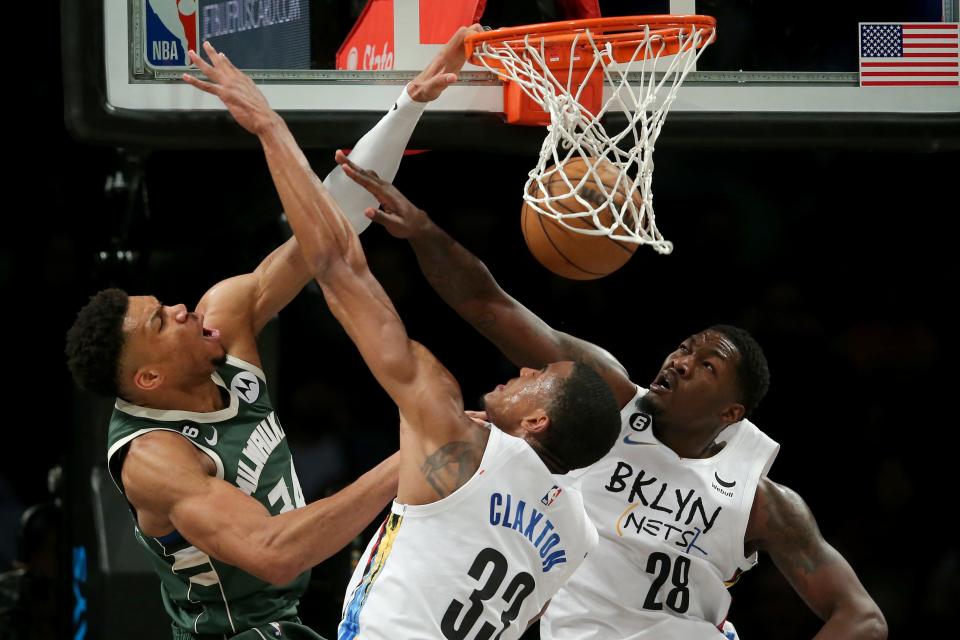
column 779, row 73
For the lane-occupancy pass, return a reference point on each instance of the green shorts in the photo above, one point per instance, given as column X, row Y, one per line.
column 288, row 630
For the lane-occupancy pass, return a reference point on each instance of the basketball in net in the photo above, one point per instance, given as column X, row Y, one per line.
column 590, row 198
column 588, row 203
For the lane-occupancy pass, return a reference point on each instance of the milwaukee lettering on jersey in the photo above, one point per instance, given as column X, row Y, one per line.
column 260, row 445
column 531, row 524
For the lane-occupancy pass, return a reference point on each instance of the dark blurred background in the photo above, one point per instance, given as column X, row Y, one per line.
column 842, row 264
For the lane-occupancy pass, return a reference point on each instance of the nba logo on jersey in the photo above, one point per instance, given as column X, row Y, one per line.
column 171, row 30
column 551, row 496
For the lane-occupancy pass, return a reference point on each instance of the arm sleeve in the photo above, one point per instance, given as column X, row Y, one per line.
column 381, row 150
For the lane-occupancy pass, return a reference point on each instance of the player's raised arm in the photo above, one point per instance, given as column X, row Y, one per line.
column 465, row 283
column 240, row 306
column 333, row 255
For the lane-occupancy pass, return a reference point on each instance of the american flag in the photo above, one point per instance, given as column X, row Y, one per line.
column 909, row 54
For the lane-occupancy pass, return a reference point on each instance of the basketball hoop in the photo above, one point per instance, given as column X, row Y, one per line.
column 555, row 73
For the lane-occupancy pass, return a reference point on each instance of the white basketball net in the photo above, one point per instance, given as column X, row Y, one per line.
column 574, row 132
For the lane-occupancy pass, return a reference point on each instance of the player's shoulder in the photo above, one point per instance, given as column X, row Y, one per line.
column 778, row 512
column 775, row 495
column 151, row 458
column 160, row 447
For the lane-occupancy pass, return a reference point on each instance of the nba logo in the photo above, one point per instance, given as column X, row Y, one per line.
column 551, row 496
column 171, row 30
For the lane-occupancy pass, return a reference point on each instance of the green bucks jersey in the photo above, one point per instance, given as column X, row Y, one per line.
column 249, row 448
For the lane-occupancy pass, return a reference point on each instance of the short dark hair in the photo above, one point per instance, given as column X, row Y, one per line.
column 753, row 374
column 584, row 419
column 95, row 341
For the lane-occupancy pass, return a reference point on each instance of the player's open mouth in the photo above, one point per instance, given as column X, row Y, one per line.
column 663, row 383
column 211, row 334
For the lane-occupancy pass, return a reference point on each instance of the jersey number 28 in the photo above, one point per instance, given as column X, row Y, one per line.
column 678, row 597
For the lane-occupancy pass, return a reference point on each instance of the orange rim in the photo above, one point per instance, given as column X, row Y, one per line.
column 623, row 33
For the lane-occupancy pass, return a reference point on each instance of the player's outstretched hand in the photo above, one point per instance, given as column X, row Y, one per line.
column 239, row 94
column 397, row 214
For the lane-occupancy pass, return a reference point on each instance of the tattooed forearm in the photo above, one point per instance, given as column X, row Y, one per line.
column 484, row 320
column 449, row 467
column 465, row 283
column 782, row 524
column 572, row 348
column 455, row 274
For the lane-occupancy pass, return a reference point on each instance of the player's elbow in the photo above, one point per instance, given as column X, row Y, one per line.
column 271, row 558
column 402, row 358
column 281, row 578
column 353, row 256
column 863, row 620
column 346, row 263
column 277, row 569
column 319, row 263
column 874, row 625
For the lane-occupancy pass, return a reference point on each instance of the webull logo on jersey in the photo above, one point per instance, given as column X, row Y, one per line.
column 725, row 488
column 658, row 509
column 530, row 523
column 171, row 30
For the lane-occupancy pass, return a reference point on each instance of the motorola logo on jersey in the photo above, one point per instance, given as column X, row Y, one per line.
column 640, row 421
column 246, row 385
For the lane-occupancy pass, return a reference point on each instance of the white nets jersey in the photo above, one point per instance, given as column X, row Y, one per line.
column 671, row 537
column 480, row 563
